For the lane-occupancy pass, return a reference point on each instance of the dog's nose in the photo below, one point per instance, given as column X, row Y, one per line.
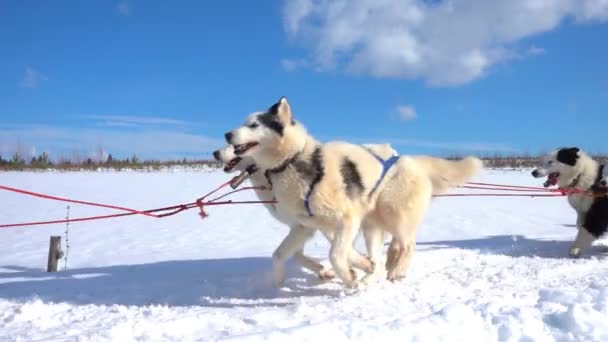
column 216, row 155
column 535, row 173
column 228, row 137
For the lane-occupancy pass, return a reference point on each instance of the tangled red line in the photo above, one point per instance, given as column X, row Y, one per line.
column 201, row 202
column 163, row 212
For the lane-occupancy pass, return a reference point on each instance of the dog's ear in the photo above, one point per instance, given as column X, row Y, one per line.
column 568, row 156
column 282, row 110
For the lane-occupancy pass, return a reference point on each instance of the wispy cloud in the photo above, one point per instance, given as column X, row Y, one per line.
column 123, row 8
column 32, row 78
column 406, row 112
column 535, row 51
column 134, row 121
column 290, row 65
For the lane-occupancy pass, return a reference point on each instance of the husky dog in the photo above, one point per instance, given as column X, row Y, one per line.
column 297, row 232
column 571, row 168
column 338, row 186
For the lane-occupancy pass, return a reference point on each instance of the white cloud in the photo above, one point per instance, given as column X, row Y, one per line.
column 292, row 64
column 133, row 121
column 123, row 8
column 535, row 51
column 406, row 113
column 447, row 42
column 32, row 78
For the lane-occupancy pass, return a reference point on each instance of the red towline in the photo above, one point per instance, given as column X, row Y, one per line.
column 155, row 213
column 201, row 203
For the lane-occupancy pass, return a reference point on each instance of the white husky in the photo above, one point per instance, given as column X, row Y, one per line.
column 338, row 187
column 297, row 233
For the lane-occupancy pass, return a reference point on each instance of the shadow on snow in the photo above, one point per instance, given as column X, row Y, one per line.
column 213, row 282
column 515, row 246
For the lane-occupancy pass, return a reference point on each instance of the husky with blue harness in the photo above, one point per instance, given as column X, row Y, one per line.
column 338, row 187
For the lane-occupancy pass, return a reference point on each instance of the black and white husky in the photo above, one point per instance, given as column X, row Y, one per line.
column 571, row 168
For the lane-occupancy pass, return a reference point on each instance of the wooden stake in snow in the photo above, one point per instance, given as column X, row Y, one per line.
column 55, row 253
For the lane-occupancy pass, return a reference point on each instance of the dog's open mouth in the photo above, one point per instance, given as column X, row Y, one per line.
column 231, row 164
column 552, row 179
column 242, row 148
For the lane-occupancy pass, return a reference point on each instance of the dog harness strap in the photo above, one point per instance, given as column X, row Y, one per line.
column 307, row 201
column 279, row 168
column 386, row 165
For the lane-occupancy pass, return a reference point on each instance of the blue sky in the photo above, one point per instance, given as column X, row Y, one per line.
column 167, row 79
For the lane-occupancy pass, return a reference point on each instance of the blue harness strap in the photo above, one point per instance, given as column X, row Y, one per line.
column 386, row 166
column 307, row 202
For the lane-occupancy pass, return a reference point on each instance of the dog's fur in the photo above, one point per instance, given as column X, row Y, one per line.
column 297, row 232
column 574, row 169
column 339, row 177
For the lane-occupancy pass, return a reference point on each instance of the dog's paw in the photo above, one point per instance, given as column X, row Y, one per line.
column 373, row 265
column 327, row 274
column 575, row 252
column 277, row 279
column 353, row 285
column 370, row 278
column 394, row 276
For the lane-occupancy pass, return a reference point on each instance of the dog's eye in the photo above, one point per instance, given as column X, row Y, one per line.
column 253, row 125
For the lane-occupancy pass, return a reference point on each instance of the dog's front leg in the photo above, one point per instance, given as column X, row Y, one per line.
column 579, row 220
column 342, row 247
column 293, row 242
column 584, row 239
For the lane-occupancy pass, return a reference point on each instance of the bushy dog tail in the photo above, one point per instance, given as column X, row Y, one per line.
column 446, row 174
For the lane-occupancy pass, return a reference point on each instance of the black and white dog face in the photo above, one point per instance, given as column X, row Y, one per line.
column 263, row 131
column 556, row 163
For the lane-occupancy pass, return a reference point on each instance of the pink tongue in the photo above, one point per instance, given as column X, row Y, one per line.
column 551, row 180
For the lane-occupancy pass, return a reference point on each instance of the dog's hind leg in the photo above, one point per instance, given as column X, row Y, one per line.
column 583, row 240
column 374, row 241
column 292, row 244
column 354, row 258
column 402, row 246
column 342, row 247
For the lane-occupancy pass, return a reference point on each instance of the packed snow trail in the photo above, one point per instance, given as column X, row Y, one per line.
column 484, row 269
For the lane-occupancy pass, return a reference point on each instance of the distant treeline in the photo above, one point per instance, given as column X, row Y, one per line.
column 42, row 162
column 522, row 162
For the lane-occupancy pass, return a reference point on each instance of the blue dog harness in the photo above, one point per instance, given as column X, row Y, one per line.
column 386, row 166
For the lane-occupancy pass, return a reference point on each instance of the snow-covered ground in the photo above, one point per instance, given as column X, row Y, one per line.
column 485, row 269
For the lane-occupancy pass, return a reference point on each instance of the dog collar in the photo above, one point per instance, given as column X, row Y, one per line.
column 279, row 169
column 574, row 182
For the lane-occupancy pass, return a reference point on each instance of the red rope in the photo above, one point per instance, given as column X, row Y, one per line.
column 168, row 211
column 500, row 195
column 201, row 203
column 35, row 194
